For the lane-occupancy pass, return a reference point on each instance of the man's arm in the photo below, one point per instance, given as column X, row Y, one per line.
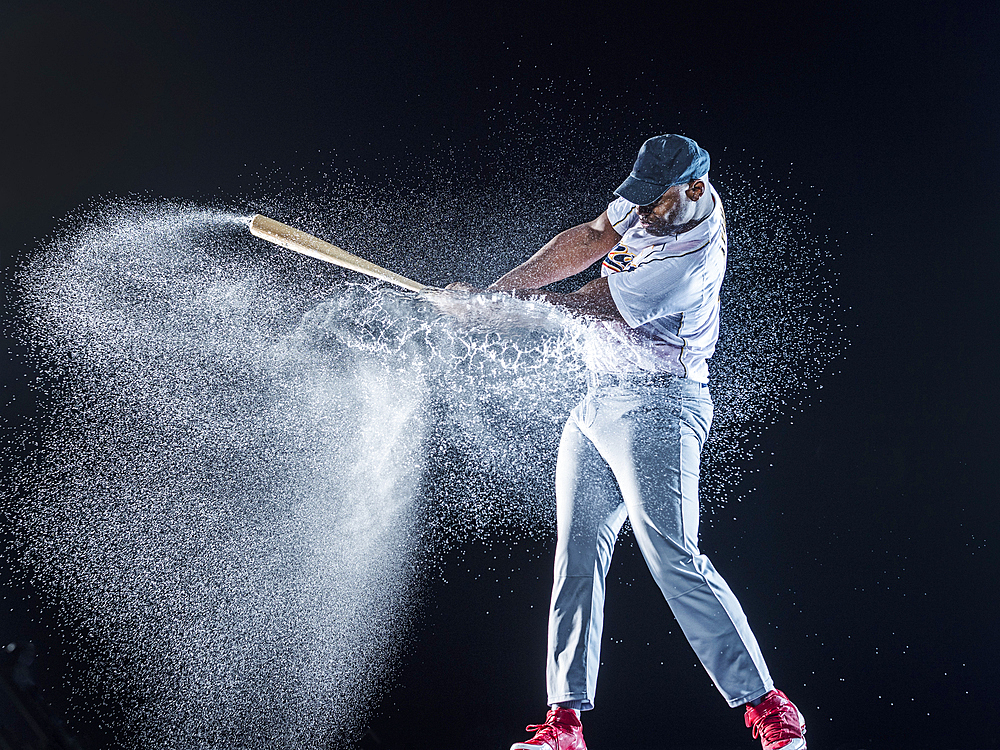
column 566, row 254
column 593, row 299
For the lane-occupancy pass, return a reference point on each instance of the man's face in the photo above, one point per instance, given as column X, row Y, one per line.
column 672, row 210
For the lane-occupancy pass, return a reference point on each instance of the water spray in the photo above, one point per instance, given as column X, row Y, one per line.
column 300, row 242
column 229, row 502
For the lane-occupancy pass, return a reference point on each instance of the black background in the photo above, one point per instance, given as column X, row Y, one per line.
column 869, row 551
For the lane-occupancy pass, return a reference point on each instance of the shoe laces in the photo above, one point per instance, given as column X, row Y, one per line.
column 774, row 722
column 549, row 731
column 545, row 732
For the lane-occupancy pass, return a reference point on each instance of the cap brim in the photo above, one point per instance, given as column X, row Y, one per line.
column 640, row 192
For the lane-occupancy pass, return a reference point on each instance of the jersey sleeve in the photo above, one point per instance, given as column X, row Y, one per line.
column 662, row 285
column 622, row 215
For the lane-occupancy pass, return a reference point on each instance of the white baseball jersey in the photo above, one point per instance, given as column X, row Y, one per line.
column 667, row 290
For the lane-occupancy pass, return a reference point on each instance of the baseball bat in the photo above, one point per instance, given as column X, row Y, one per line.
column 300, row 242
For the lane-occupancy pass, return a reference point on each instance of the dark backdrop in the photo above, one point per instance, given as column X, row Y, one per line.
column 870, row 546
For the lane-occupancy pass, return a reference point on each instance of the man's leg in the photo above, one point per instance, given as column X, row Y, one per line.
column 652, row 442
column 589, row 516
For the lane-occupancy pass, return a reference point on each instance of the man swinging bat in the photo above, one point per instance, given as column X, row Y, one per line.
column 631, row 447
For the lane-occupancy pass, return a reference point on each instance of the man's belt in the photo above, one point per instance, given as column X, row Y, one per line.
column 662, row 379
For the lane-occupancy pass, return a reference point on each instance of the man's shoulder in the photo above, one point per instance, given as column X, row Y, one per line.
column 621, row 214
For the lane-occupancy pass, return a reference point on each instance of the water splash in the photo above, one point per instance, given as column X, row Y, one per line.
column 253, row 457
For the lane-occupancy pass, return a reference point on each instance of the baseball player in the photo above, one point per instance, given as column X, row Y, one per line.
column 631, row 447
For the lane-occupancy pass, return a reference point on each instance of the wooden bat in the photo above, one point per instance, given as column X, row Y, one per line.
column 300, row 242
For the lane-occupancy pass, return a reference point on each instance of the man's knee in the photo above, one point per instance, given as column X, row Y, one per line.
column 678, row 572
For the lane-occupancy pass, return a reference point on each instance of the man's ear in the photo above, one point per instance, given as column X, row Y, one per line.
column 696, row 189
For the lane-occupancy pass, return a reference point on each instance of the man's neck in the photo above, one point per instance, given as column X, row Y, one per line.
column 704, row 211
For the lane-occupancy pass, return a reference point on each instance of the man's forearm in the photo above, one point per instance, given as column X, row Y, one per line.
column 593, row 300
column 565, row 255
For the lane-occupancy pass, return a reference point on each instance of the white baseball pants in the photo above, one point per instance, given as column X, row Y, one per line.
column 632, row 448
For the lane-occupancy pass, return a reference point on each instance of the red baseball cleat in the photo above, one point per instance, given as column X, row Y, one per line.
column 562, row 730
column 777, row 722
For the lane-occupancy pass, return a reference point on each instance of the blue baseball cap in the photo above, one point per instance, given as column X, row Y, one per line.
column 663, row 161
